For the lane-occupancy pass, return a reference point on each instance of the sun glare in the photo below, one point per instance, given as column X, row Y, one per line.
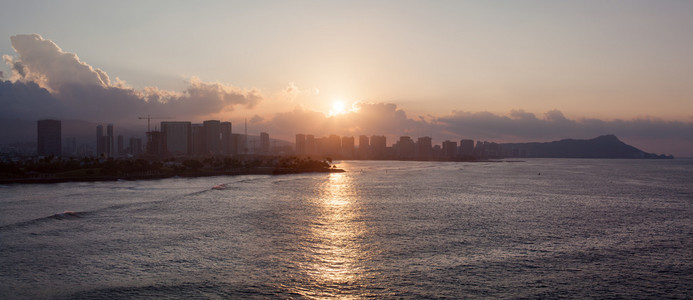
column 338, row 108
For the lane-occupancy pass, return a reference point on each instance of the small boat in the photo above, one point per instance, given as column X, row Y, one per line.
column 219, row 187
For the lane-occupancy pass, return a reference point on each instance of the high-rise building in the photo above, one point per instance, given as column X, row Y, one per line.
column 155, row 144
column 479, row 150
column 100, row 141
column 264, row 143
column 406, row 148
column 105, row 144
column 449, row 149
column 424, row 147
column 49, row 137
column 121, row 145
column 364, row 147
column 300, row 144
column 177, row 138
column 311, row 145
column 225, row 138
column 237, row 142
column 466, row 148
column 212, row 130
column 110, row 142
column 348, row 147
column 333, row 147
column 199, row 140
column 378, row 146
column 135, row 146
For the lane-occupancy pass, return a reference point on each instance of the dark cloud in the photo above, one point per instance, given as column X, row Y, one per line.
column 28, row 101
column 74, row 89
column 554, row 125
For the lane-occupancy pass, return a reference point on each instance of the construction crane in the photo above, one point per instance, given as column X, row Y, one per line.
column 149, row 118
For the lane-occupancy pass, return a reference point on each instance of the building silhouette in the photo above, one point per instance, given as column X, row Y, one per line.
column 364, row 147
column 199, row 140
column 300, row 144
column 378, row 146
column 135, row 146
column 110, row 142
column 311, row 145
column 105, row 143
column 264, row 143
column 405, row 148
column 424, row 147
column 100, row 141
column 155, row 144
column 225, row 132
column 49, row 137
column 466, row 148
column 449, row 149
column 212, row 129
column 177, row 138
column 121, row 145
column 348, row 147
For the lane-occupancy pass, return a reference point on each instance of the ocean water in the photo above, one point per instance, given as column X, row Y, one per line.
column 541, row 228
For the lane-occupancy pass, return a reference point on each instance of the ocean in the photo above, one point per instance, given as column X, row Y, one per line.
column 539, row 228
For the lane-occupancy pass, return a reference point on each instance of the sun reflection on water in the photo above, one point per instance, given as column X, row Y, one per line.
column 335, row 234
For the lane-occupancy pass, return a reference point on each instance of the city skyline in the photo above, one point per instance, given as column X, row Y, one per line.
column 498, row 72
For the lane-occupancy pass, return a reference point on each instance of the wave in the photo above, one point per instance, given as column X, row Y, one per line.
column 66, row 215
column 75, row 215
column 188, row 290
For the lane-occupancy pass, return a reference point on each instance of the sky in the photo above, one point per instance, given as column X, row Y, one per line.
column 503, row 71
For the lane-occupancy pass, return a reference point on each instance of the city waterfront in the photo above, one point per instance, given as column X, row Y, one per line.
column 539, row 228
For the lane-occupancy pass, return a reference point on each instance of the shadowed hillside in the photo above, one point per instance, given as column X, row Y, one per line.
column 606, row 146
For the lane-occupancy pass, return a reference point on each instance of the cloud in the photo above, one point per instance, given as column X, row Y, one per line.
column 47, row 82
column 292, row 93
column 42, row 61
column 74, row 89
column 369, row 119
column 649, row 134
column 28, row 101
column 256, row 119
column 525, row 125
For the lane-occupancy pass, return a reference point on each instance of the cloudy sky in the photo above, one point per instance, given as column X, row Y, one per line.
column 489, row 70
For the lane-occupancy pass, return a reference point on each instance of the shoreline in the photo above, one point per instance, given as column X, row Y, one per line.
column 237, row 172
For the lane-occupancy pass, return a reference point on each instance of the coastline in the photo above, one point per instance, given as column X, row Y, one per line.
column 183, row 174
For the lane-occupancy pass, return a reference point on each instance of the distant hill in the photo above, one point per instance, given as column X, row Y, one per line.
column 605, row 146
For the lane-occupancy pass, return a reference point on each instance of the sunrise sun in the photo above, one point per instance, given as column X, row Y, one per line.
column 338, row 108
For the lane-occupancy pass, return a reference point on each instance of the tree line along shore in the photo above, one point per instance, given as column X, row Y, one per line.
column 52, row 169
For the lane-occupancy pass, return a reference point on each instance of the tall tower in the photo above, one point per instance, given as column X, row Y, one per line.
column 245, row 137
column 100, row 148
column 110, row 148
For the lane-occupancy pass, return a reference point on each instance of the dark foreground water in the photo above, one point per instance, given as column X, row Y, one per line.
column 537, row 229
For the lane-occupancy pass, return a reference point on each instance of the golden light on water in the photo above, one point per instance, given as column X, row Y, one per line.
column 336, row 232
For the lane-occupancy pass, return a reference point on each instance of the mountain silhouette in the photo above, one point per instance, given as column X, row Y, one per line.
column 605, row 146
